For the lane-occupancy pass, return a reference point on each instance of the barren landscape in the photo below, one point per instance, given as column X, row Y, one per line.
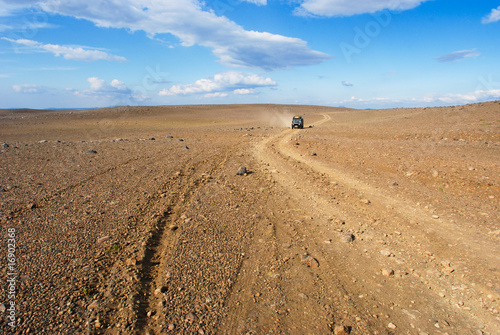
column 135, row 220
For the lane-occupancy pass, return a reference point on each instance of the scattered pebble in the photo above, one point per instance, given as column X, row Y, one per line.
column 241, row 171
column 341, row 330
column 386, row 253
column 347, row 237
column 102, row 239
column 391, row 325
column 309, row 261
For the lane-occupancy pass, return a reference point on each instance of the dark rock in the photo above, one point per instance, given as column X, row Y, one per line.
column 91, row 152
column 241, row 171
column 169, row 136
column 185, row 147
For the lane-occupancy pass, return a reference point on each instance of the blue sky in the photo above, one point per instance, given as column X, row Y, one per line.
column 360, row 54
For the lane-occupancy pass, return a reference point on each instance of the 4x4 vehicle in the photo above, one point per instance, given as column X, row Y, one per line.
column 298, row 122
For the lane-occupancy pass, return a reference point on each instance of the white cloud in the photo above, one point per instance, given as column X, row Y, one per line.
column 494, row 16
column 231, row 43
column 115, row 93
column 221, row 82
column 472, row 97
column 243, row 91
column 458, row 55
column 29, row 89
column 346, row 83
column 70, row 53
column 428, row 100
column 257, row 2
column 331, row 8
column 215, row 95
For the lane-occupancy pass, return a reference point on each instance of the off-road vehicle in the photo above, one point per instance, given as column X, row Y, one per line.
column 298, row 122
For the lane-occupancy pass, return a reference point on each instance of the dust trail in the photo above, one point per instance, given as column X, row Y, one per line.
column 277, row 116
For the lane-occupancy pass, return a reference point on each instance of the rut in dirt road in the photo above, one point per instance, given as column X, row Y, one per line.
column 386, row 269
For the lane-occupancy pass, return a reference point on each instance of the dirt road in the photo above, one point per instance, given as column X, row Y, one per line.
column 133, row 220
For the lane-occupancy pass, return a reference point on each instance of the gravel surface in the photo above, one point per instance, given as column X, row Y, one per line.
column 222, row 220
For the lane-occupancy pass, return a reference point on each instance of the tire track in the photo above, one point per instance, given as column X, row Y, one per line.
column 163, row 239
column 290, row 166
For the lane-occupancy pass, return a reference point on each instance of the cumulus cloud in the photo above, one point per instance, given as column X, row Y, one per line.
column 331, row 8
column 458, row 55
column 116, row 91
column 230, row 43
column 494, row 16
column 70, row 53
column 346, row 83
column 221, row 82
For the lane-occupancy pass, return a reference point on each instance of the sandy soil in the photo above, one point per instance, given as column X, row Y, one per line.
column 133, row 220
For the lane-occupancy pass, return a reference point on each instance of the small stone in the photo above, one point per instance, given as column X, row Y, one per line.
column 31, row 206
column 347, row 237
column 395, row 184
column 391, row 325
column 2, row 308
column 43, row 141
column 341, row 330
column 241, row 171
column 130, row 262
column 435, row 173
column 309, row 261
column 160, row 290
column 171, row 327
column 388, row 272
column 365, row 201
column 313, row 154
column 180, row 140
column 102, row 239
column 93, row 305
column 191, row 317
column 169, row 136
column 173, row 227
column 185, row 147
column 91, row 151
column 435, row 216
column 386, row 253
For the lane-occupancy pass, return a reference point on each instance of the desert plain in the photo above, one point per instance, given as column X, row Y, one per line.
column 135, row 220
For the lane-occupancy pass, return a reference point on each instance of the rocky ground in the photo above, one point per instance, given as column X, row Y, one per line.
column 134, row 220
